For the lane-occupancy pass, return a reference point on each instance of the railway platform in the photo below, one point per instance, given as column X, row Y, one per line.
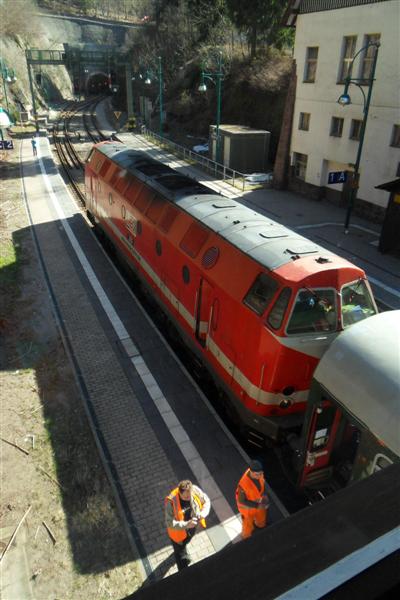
column 152, row 424
column 320, row 221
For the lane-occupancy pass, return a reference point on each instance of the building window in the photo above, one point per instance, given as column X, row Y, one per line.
column 304, row 121
column 336, row 127
column 355, row 129
column 311, row 65
column 368, row 57
column 395, row 136
column 398, row 170
column 300, row 165
column 348, row 52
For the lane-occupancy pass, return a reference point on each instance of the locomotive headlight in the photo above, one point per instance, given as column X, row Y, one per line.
column 285, row 403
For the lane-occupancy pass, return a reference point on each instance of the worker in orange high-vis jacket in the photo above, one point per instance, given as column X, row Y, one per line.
column 186, row 507
column 251, row 499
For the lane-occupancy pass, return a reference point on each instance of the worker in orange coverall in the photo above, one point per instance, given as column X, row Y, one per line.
column 251, row 499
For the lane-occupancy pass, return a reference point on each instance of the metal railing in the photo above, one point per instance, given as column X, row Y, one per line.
column 234, row 178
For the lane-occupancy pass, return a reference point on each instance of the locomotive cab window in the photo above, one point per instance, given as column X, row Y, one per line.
column 277, row 312
column 314, row 310
column 356, row 303
column 261, row 293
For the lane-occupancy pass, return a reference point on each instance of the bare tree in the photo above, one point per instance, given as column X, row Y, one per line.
column 13, row 20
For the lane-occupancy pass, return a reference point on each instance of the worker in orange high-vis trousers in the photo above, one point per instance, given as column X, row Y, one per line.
column 251, row 499
column 186, row 507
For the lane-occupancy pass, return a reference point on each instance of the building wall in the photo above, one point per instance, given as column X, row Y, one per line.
column 379, row 160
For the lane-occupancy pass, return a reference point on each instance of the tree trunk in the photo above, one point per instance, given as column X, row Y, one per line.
column 253, row 40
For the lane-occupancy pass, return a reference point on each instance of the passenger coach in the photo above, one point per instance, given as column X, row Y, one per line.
column 352, row 425
column 256, row 302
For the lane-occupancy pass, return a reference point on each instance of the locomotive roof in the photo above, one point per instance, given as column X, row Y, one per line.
column 361, row 369
column 269, row 243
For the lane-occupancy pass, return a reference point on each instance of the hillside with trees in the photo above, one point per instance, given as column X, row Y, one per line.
column 189, row 35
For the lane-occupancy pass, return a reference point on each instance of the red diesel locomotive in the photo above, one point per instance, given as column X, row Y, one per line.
column 255, row 301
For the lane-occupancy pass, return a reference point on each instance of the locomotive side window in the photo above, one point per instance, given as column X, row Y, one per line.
column 277, row 312
column 194, row 239
column 143, row 200
column 261, row 293
column 168, row 218
column 314, row 310
column 104, row 168
column 155, row 209
column 356, row 303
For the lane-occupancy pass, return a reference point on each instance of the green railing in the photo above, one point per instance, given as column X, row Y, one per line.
column 219, row 171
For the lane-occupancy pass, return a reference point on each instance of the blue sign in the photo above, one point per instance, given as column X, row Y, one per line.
column 337, row 177
column 6, row 145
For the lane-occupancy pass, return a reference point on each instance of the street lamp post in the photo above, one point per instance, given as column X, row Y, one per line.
column 7, row 75
column 148, row 81
column 216, row 78
column 345, row 100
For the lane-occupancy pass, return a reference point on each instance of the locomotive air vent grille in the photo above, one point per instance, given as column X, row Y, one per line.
column 210, row 257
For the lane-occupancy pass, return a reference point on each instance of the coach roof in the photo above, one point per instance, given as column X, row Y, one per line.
column 266, row 241
column 361, row 370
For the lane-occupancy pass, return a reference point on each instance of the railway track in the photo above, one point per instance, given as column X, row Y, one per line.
column 65, row 136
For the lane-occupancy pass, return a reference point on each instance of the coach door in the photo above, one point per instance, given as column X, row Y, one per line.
column 324, row 423
column 203, row 309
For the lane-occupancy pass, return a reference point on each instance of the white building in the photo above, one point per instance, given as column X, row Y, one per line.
column 325, row 135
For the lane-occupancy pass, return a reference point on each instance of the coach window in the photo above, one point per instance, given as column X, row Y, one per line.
column 324, row 417
column 356, row 303
column 381, row 462
column 314, row 310
column 261, row 293
column 277, row 312
column 185, row 274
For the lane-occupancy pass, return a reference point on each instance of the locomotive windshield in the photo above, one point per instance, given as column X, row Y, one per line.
column 357, row 303
column 314, row 310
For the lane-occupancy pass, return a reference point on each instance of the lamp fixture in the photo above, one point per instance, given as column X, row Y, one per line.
column 344, row 100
